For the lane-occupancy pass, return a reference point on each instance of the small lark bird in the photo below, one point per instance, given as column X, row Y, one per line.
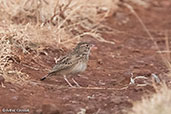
column 72, row 63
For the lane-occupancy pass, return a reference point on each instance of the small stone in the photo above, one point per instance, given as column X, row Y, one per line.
column 33, row 83
column 12, row 90
column 38, row 111
column 82, row 111
column 14, row 98
column 100, row 62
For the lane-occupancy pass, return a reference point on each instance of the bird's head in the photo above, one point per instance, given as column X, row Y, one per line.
column 83, row 47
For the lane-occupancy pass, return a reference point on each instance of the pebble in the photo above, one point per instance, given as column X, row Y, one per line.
column 12, row 90
column 14, row 98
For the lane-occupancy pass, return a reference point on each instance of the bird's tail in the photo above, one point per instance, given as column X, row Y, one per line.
column 44, row 77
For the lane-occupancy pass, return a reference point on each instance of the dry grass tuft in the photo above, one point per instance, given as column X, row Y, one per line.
column 70, row 20
column 8, row 41
column 159, row 103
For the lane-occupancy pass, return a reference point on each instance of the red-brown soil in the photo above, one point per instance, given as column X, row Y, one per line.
column 105, row 84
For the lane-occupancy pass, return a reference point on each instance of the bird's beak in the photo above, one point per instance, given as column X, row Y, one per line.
column 93, row 47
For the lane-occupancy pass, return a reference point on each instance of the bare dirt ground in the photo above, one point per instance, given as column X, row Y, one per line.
column 105, row 84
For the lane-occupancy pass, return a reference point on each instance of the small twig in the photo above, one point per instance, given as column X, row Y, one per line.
column 87, row 88
column 141, row 85
column 59, row 26
column 167, row 45
column 46, row 2
column 98, row 111
column 140, row 77
column 30, row 67
column 163, row 51
column 66, row 6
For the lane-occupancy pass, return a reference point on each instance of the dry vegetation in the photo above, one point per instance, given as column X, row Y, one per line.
column 26, row 25
column 158, row 103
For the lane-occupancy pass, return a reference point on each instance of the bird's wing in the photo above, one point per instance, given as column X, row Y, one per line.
column 66, row 62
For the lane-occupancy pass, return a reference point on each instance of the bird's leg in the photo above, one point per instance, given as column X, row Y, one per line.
column 75, row 82
column 68, row 81
column 2, row 85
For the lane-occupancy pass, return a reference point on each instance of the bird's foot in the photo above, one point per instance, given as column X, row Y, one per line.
column 3, row 85
column 65, row 78
column 76, row 83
